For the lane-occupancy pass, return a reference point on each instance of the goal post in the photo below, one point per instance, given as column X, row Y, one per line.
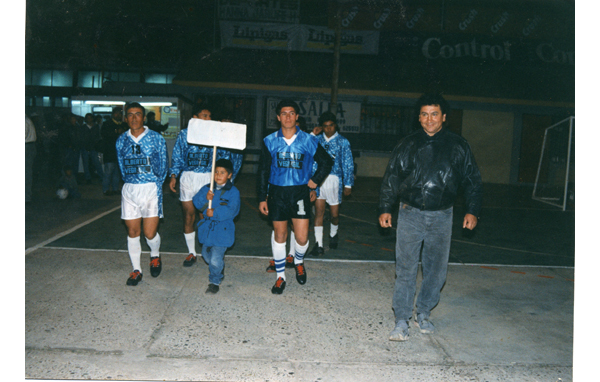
column 555, row 179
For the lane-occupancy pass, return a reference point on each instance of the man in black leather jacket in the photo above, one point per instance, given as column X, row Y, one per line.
column 425, row 172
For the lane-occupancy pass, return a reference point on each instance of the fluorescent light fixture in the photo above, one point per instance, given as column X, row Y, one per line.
column 105, row 102
column 156, row 104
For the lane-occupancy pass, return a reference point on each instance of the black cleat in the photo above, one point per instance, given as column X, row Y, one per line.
column 279, row 286
column 134, row 278
column 271, row 267
column 155, row 266
column 189, row 261
column 212, row 289
column 333, row 242
column 289, row 261
column 300, row 274
column 317, row 251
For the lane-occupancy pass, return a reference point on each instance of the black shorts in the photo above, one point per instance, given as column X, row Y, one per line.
column 289, row 202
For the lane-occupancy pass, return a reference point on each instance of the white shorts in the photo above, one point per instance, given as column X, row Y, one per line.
column 139, row 201
column 330, row 190
column 190, row 183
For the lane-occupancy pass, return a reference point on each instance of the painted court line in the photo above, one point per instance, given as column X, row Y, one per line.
column 321, row 260
column 64, row 233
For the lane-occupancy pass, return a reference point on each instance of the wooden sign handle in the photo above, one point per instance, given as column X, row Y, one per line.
column 212, row 173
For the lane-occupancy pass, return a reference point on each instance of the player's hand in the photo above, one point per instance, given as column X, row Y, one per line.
column 263, row 208
column 317, row 130
column 209, row 196
column 311, row 184
column 347, row 191
column 385, row 220
column 172, row 183
column 470, row 221
column 313, row 196
column 210, row 212
column 200, row 216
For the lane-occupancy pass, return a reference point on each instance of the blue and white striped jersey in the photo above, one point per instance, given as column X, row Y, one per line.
column 196, row 158
column 338, row 148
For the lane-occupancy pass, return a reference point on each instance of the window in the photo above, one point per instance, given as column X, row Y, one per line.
column 90, row 79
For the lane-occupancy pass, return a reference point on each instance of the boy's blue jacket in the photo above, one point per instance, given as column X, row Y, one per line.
column 219, row 230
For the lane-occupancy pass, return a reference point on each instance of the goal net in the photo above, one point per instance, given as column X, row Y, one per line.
column 555, row 179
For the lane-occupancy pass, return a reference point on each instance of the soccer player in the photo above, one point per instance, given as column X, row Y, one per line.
column 142, row 157
column 340, row 178
column 194, row 164
column 286, row 188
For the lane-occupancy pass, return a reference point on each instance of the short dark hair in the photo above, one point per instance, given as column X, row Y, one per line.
column 327, row 116
column 135, row 105
column 151, row 113
column 198, row 107
column 287, row 103
column 226, row 164
column 432, row 99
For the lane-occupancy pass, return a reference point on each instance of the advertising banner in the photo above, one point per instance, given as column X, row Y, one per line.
column 347, row 114
column 306, row 38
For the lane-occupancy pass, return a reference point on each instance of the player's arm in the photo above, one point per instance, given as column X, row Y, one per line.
column 347, row 167
column 161, row 170
column 324, row 165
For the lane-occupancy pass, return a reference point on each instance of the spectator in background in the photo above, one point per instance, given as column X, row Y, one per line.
column 89, row 136
column 68, row 137
column 68, row 182
column 111, row 130
column 153, row 124
column 30, row 151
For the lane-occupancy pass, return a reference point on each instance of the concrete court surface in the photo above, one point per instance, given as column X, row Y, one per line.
column 494, row 323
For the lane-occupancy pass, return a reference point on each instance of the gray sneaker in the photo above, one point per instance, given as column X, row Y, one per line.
column 400, row 332
column 424, row 324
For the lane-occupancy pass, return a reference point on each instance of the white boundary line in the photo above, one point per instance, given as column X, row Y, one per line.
column 319, row 260
column 64, row 233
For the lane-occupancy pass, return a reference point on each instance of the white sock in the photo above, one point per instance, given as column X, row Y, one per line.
column 319, row 235
column 190, row 240
column 300, row 252
column 292, row 243
column 134, row 247
column 333, row 230
column 154, row 245
column 279, row 257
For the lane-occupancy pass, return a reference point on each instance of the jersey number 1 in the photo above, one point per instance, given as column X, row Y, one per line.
column 301, row 210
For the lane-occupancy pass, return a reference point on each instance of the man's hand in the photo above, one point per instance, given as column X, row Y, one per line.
column 385, row 220
column 317, row 130
column 347, row 191
column 209, row 196
column 172, row 183
column 311, row 184
column 209, row 212
column 263, row 208
column 470, row 221
column 313, row 195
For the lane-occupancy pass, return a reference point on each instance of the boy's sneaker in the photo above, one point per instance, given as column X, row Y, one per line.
column 333, row 242
column 271, row 267
column 279, row 286
column 212, row 289
column 134, row 278
column 189, row 261
column 289, row 261
column 155, row 266
column 317, row 251
column 300, row 273
column 400, row 332
column 423, row 323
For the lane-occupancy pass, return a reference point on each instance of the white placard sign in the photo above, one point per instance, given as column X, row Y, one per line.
column 214, row 133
